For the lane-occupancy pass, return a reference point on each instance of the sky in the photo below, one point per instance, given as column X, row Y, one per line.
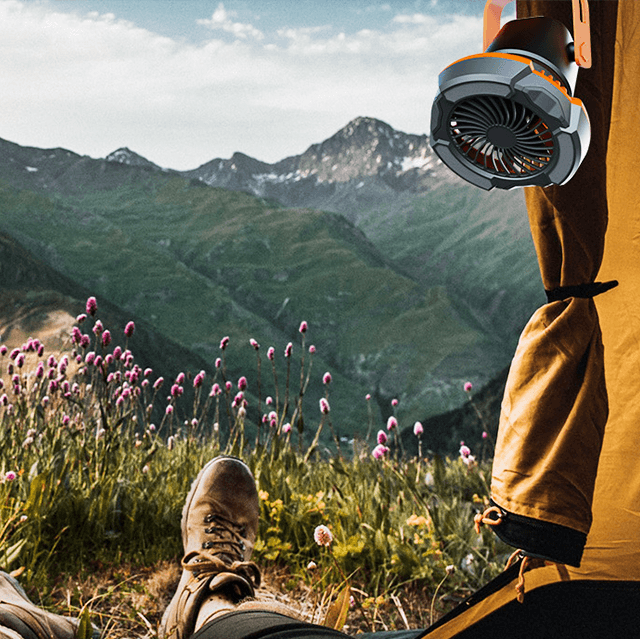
column 182, row 82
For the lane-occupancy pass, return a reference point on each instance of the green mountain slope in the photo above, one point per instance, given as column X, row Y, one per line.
column 199, row 263
column 475, row 243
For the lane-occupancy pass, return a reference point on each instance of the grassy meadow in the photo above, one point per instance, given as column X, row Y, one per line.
column 91, row 489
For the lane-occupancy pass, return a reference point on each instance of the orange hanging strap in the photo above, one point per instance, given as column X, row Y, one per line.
column 492, row 15
column 582, row 33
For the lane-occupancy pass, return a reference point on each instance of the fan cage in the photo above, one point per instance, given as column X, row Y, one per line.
column 530, row 147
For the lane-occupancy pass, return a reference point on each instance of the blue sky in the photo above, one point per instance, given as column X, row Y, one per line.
column 185, row 81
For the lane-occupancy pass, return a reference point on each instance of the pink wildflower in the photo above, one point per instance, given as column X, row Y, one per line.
column 303, row 327
column 158, row 383
column 269, row 400
column 106, row 338
column 224, row 342
column 10, row 475
column 180, row 378
column 81, row 318
column 288, row 349
column 324, row 406
column 485, row 434
column 169, row 410
column 215, row 390
column 392, row 423
column 218, row 362
column 254, row 344
column 468, row 386
column 242, row 383
column 379, row 451
column 129, row 329
column 322, row 535
column 465, row 451
column 418, row 429
column 286, row 428
column 97, row 328
column 20, row 360
column 326, row 378
column 394, row 402
column 382, row 437
column 237, row 400
column 92, row 306
column 312, row 349
column 198, row 380
column 3, row 350
column 271, row 352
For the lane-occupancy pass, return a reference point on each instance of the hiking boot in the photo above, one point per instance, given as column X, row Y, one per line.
column 19, row 617
column 219, row 528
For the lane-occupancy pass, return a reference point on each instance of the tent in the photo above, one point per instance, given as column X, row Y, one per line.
column 566, row 480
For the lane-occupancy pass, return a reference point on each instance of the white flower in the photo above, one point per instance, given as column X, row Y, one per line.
column 322, row 535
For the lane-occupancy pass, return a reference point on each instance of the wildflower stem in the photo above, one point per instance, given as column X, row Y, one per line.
column 435, row 595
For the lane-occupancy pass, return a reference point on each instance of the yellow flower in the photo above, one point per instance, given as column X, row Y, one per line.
column 416, row 520
column 263, row 494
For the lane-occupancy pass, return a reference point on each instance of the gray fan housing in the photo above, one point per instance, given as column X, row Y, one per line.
column 497, row 123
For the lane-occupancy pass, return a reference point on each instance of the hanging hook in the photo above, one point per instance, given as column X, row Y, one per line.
column 581, row 28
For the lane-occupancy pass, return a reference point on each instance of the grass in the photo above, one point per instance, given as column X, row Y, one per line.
column 91, row 491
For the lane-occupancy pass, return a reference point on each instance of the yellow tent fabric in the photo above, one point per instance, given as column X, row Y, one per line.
column 613, row 545
column 612, row 552
column 555, row 405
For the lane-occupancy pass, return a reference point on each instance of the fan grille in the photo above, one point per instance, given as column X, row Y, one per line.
column 501, row 136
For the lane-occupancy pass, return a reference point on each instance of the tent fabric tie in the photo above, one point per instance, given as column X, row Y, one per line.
column 484, row 518
column 583, row 291
column 494, row 516
column 529, row 563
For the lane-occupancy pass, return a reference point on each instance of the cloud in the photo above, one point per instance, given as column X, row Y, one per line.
column 223, row 20
column 94, row 83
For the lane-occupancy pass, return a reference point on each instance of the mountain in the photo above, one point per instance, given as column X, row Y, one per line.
column 435, row 227
column 38, row 301
column 411, row 280
column 363, row 161
column 124, row 155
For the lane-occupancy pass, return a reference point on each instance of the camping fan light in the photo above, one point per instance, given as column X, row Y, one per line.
column 507, row 117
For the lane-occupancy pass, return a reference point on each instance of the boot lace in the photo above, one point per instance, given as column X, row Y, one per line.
column 223, row 551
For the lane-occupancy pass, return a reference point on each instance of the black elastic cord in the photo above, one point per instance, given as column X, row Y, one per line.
column 584, row 291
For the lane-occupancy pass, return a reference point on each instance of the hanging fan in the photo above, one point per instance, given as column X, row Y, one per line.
column 506, row 118
column 501, row 136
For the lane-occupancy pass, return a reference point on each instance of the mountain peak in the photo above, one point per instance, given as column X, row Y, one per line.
column 330, row 174
column 366, row 126
column 124, row 155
